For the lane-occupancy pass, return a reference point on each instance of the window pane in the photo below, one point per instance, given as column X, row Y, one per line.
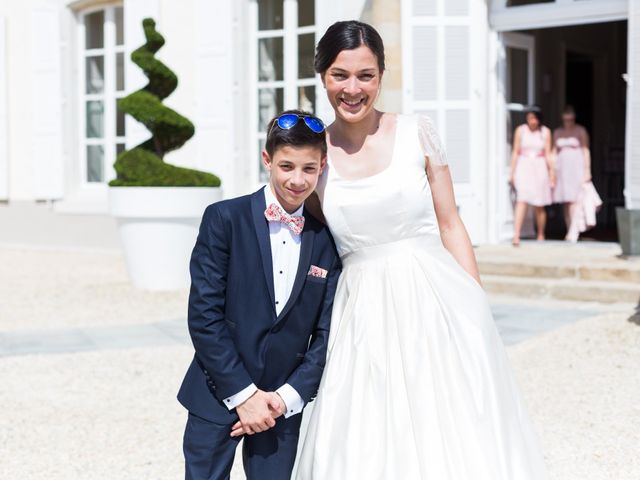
column 119, row 27
column 95, row 119
column 306, row 52
column 94, row 30
column 306, row 13
column 94, row 74
column 119, row 149
column 270, row 14
column 119, row 121
column 95, row 163
column 119, row 71
column 271, row 101
column 307, row 99
column 270, row 61
column 518, row 76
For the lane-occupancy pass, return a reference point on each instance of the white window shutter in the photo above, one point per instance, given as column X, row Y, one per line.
column 444, row 75
column 425, row 73
column 215, row 92
column 4, row 151
column 46, row 108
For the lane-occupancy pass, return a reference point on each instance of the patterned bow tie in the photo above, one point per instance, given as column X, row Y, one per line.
column 274, row 213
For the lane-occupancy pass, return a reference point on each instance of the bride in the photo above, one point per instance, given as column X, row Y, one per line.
column 417, row 383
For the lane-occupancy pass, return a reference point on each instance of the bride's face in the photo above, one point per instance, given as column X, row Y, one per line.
column 353, row 83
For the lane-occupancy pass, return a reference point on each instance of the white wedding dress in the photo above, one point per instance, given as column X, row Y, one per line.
column 417, row 383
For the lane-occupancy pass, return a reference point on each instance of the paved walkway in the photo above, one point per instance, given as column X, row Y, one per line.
column 516, row 322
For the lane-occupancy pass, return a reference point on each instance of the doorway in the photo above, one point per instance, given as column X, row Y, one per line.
column 583, row 66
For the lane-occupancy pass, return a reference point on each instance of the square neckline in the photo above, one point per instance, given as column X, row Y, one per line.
column 381, row 172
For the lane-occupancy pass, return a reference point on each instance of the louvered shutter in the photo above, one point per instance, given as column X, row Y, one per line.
column 215, row 91
column 46, row 108
column 4, row 151
column 443, row 76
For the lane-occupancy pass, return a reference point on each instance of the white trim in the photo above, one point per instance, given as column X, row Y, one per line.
column 558, row 14
column 252, row 114
column 523, row 42
column 4, row 149
column 632, row 144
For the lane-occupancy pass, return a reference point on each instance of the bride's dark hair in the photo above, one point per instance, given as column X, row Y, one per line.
column 347, row 35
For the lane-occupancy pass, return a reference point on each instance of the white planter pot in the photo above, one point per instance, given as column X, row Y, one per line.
column 158, row 227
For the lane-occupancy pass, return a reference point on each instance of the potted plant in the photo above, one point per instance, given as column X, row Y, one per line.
column 628, row 221
column 158, row 206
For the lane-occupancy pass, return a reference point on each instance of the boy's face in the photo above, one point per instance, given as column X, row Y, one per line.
column 294, row 173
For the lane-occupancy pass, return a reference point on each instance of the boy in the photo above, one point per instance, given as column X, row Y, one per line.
column 263, row 277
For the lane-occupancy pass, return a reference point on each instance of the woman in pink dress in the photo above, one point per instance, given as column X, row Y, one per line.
column 573, row 162
column 532, row 173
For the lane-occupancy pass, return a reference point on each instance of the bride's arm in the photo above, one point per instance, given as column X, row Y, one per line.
column 452, row 231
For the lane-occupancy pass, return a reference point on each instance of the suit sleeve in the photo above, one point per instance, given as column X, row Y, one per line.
column 306, row 378
column 212, row 340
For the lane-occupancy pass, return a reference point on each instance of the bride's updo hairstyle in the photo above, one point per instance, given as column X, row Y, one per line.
column 347, row 35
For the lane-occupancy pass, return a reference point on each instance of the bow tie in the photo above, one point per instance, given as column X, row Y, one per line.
column 274, row 213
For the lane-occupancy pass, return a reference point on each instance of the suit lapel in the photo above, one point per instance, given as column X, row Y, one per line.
column 306, row 247
column 262, row 233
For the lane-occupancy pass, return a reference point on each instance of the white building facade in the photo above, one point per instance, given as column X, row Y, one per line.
column 474, row 66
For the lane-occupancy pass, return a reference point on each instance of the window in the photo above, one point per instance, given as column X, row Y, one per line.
column 102, row 58
column 517, row 3
column 284, row 42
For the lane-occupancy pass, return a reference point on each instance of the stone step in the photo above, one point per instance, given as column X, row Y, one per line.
column 612, row 271
column 562, row 288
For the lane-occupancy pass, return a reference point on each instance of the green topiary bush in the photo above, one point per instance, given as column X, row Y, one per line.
column 143, row 166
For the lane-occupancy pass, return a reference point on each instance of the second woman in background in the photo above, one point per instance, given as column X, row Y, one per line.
column 532, row 173
column 573, row 161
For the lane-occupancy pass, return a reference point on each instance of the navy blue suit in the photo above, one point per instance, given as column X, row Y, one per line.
column 239, row 339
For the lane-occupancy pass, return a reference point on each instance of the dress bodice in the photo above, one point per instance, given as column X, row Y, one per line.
column 391, row 205
column 567, row 142
column 532, row 142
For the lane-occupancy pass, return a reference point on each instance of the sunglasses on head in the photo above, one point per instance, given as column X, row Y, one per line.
column 289, row 120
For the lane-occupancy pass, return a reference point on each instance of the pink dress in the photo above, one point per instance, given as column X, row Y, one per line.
column 531, row 177
column 569, row 169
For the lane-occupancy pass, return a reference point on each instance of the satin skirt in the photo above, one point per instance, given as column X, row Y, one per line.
column 570, row 175
column 417, row 383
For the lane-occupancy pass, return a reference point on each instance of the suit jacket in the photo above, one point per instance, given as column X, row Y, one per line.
column 238, row 337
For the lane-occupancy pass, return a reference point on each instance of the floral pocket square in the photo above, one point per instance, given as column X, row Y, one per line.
column 317, row 272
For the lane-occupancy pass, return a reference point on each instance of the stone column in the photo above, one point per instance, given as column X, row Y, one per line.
column 629, row 217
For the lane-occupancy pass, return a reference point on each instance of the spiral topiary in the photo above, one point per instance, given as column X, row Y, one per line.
column 143, row 165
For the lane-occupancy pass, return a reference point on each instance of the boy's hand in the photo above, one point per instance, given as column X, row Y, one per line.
column 255, row 413
column 275, row 408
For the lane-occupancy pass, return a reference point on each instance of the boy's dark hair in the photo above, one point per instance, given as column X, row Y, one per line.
column 300, row 135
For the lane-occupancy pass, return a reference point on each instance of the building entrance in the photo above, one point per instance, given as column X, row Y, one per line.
column 584, row 66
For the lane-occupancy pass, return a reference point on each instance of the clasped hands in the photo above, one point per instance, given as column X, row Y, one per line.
column 258, row 413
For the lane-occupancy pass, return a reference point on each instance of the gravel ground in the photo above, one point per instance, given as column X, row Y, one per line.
column 582, row 385
column 113, row 414
column 45, row 288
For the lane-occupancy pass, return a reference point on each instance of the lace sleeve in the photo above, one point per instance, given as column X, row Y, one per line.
column 430, row 141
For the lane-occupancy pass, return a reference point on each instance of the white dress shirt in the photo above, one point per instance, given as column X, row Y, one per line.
column 285, row 256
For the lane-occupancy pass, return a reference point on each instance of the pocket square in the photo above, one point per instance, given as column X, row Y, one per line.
column 317, row 272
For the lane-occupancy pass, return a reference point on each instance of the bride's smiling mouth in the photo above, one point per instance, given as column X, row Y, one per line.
column 352, row 103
